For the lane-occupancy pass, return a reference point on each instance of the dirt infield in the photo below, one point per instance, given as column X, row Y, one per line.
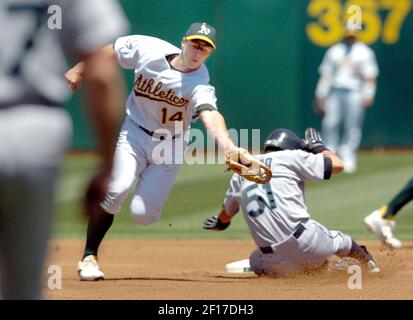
column 194, row 269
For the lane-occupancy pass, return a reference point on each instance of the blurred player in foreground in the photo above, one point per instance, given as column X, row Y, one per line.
column 34, row 128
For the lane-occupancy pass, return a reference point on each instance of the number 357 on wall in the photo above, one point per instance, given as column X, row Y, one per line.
column 331, row 15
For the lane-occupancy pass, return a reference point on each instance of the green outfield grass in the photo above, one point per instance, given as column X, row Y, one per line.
column 199, row 191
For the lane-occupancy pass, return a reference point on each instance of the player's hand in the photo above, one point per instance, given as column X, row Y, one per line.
column 367, row 102
column 319, row 107
column 73, row 79
column 213, row 223
column 244, row 156
column 314, row 143
column 233, row 150
column 95, row 192
column 244, row 164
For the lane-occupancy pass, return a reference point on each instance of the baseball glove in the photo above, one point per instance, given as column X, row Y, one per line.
column 244, row 164
column 313, row 141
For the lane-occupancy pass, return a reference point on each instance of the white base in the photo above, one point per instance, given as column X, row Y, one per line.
column 240, row 266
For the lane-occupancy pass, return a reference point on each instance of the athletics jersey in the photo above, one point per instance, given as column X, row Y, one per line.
column 273, row 211
column 162, row 97
column 348, row 66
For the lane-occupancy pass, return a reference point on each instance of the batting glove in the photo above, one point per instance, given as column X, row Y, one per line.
column 213, row 223
column 314, row 142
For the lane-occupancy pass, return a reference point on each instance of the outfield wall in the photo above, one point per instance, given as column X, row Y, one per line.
column 265, row 67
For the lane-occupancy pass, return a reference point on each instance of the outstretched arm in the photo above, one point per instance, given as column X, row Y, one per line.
column 105, row 95
column 215, row 125
column 238, row 160
column 74, row 76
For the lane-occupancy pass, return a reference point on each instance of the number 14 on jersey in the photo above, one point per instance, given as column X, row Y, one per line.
column 166, row 116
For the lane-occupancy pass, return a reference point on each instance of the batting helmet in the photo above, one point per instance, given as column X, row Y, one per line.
column 283, row 139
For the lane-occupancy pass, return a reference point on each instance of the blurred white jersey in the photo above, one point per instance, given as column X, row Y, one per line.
column 33, row 50
column 162, row 97
column 273, row 211
column 347, row 66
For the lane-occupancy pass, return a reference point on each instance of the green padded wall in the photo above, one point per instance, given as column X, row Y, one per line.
column 265, row 67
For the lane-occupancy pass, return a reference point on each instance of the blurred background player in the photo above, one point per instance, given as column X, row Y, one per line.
column 346, row 87
column 171, row 90
column 35, row 131
column 382, row 221
column 288, row 240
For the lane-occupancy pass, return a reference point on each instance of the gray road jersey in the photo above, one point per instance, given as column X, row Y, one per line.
column 272, row 211
column 33, row 56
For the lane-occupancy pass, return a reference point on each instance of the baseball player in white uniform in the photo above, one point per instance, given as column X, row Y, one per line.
column 171, row 90
column 346, row 87
column 35, row 130
column 288, row 240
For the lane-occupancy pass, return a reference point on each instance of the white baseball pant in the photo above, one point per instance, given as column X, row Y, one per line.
column 343, row 107
column 33, row 139
column 310, row 251
column 136, row 159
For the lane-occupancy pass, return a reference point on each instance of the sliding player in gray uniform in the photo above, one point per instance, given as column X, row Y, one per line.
column 35, row 131
column 288, row 240
column 171, row 89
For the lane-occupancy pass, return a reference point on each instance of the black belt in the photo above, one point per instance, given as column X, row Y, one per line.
column 154, row 134
column 297, row 233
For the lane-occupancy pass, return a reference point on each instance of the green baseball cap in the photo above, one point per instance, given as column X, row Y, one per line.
column 202, row 31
